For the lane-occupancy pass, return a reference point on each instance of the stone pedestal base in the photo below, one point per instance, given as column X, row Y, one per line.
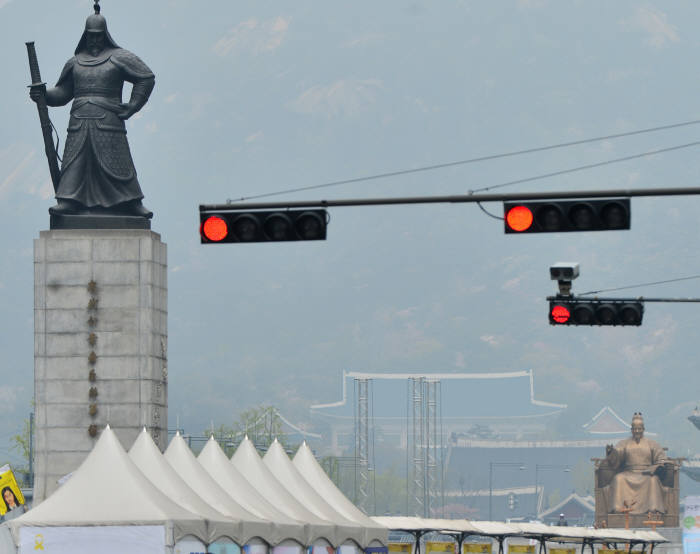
column 636, row 521
column 99, row 222
column 100, row 344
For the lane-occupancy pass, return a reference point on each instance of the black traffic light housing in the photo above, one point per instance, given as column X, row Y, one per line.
column 599, row 311
column 262, row 226
column 557, row 216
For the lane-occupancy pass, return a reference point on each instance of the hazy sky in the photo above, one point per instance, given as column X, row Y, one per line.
column 253, row 97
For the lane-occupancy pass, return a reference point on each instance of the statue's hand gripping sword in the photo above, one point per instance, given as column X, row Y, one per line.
column 46, row 126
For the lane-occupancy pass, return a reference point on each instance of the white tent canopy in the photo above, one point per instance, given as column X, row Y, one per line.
column 313, row 473
column 214, row 461
column 247, row 461
column 148, row 458
column 181, row 458
column 108, row 492
column 499, row 530
column 281, row 467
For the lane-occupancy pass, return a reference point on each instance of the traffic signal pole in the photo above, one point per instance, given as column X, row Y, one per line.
column 606, row 299
column 453, row 199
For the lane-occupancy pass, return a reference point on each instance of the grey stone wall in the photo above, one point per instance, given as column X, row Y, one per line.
column 100, row 344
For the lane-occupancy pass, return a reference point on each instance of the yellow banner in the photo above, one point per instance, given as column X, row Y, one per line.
column 476, row 548
column 611, row 551
column 12, row 497
column 401, row 547
column 562, row 551
column 521, row 549
column 440, row 547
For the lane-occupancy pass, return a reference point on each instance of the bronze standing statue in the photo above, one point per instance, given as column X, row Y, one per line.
column 636, row 487
column 97, row 176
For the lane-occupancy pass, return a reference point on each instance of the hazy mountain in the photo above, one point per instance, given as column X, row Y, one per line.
column 257, row 97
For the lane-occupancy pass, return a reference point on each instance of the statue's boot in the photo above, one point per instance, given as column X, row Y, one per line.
column 135, row 208
column 65, row 206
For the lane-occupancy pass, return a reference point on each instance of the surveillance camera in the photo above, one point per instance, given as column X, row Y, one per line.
column 564, row 271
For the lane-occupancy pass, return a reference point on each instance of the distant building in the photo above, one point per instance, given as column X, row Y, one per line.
column 521, row 467
column 607, row 423
column 550, row 465
column 577, row 510
column 496, row 456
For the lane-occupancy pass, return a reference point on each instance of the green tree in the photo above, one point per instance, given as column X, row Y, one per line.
column 262, row 424
column 21, row 443
column 390, row 491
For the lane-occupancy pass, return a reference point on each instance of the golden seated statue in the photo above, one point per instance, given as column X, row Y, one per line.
column 636, row 482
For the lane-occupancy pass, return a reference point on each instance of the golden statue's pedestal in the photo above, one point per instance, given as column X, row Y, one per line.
column 637, row 521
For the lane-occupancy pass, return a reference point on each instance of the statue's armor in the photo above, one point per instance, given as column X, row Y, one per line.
column 97, row 168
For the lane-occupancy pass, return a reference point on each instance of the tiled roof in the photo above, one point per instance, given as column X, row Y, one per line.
column 607, row 422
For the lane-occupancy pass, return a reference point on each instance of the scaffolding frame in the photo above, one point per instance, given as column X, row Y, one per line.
column 426, row 445
column 364, row 447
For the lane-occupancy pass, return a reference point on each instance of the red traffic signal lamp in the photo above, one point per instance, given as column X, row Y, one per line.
column 578, row 311
column 608, row 214
column 262, row 226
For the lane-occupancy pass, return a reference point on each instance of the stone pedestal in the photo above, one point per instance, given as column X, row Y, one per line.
column 636, row 521
column 100, row 344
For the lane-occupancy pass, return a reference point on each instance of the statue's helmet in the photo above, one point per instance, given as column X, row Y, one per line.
column 96, row 23
column 637, row 418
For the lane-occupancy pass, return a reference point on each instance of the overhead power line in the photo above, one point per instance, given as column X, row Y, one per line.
column 588, row 166
column 471, row 160
column 641, row 285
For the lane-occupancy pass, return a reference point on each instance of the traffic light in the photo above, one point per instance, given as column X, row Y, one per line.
column 262, row 226
column 578, row 311
column 609, row 214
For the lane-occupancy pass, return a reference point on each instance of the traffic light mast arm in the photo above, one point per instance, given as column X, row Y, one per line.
column 454, row 199
column 560, row 298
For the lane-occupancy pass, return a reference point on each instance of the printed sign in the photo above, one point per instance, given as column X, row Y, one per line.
column 224, row 546
column 476, row 548
column 691, row 525
column 400, row 547
column 117, row 539
column 439, row 547
column 562, row 551
column 324, row 549
column 521, row 549
column 9, row 489
column 285, row 548
column 190, row 545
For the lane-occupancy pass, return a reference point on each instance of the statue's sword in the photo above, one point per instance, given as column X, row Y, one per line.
column 46, row 126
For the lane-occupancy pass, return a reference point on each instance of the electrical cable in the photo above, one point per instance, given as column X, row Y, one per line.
column 488, row 213
column 641, row 285
column 470, row 160
column 587, row 166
